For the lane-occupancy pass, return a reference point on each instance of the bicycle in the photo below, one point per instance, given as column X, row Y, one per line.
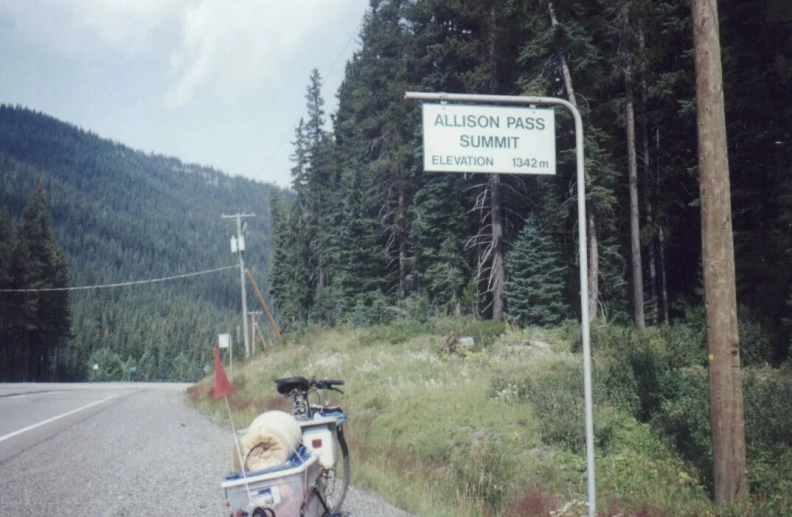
column 323, row 434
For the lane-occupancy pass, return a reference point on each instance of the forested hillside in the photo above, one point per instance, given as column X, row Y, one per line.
column 371, row 236
column 122, row 215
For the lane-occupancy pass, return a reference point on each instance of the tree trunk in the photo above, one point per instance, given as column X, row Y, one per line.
column 653, row 302
column 635, row 227
column 663, row 283
column 647, row 183
column 591, row 218
column 723, row 342
column 661, row 239
column 497, row 272
column 402, row 248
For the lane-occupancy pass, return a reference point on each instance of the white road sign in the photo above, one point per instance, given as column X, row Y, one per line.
column 224, row 340
column 469, row 138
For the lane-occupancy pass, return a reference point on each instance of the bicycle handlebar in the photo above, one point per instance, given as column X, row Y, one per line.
column 328, row 383
column 290, row 384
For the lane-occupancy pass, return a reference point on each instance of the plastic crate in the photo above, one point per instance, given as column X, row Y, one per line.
column 283, row 489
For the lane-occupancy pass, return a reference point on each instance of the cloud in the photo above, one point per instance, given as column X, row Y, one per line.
column 225, row 48
column 234, row 46
column 84, row 27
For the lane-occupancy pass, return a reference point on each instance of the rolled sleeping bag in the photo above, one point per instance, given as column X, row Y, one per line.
column 269, row 441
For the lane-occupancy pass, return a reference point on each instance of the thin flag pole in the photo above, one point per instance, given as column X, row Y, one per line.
column 223, row 388
column 238, row 450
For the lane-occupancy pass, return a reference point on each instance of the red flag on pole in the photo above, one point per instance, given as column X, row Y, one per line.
column 222, row 388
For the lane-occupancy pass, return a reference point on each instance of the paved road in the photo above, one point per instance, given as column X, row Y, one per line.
column 117, row 450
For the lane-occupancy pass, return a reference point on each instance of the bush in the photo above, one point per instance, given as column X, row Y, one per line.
column 686, row 343
column 398, row 332
column 768, row 410
column 109, row 366
column 371, row 309
column 770, row 482
column 617, row 384
column 684, row 416
column 557, row 399
column 415, row 308
column 483, row 332
column 756, row 345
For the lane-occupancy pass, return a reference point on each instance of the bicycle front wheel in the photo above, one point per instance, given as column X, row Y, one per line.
column 333, row 482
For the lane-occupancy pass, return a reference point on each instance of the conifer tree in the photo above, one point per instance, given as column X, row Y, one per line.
column 7, row 242
column 536, row 276
column 388, row 127
column 290, row 272
column 42, row 317
column 440, row 229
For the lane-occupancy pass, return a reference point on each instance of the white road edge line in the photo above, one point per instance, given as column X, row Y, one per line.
column 50, row 420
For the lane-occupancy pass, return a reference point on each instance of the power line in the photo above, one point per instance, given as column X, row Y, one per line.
column 332, row 67
column 122, row 284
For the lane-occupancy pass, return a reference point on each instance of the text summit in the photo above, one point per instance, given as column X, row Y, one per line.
column 488, row 122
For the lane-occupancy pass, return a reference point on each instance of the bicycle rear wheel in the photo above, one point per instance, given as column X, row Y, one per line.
column 332, row 484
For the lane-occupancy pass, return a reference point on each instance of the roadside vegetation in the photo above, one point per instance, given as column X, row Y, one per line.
column 497, row 429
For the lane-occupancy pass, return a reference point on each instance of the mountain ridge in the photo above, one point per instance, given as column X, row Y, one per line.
column 122, row 215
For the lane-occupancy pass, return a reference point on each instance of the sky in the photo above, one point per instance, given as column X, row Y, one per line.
column 214, row 82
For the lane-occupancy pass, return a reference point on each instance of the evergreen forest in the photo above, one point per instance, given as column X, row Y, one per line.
column 365, row 236
column 80, row 211
column 370, row 237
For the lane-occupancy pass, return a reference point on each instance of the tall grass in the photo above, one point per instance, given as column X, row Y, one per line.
column 498, row 430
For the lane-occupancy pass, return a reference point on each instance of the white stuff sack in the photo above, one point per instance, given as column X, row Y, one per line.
column 269, row 441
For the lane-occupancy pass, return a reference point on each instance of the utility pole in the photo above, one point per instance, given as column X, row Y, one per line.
column 238, row 247
column 273, row 323
column 723, row 341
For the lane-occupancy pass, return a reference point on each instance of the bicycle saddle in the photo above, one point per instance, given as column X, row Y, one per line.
column 289, row 384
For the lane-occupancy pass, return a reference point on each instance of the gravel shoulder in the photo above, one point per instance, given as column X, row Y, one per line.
column 145, row 453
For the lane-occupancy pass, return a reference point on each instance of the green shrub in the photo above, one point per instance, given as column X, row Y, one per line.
column 756, row 345
column 371, row 308
column 570, row 332
column 684, row 416
column 109, row 366
column 616, row 382
column 770, row 483
column 556, row 396
column 415, row 308
column 768, row 410
column 686, row 343
column 398, row 332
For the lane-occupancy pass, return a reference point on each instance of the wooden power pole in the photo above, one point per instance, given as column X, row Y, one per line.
column 723, row 342
column 273, row 323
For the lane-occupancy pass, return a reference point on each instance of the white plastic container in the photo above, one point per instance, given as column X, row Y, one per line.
column 283, row 489
column 319, row 437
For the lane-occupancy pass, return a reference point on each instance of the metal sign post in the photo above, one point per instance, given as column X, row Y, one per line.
column 224, row 341
column 498, row 140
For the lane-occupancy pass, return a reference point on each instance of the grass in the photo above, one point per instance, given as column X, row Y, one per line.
column 491, row 431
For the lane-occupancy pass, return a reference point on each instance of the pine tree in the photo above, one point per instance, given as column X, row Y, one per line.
column 536, row 276
column 440, row 226
column 42, row 318
column 290, row 272
column 7, row 243
column 388, row 127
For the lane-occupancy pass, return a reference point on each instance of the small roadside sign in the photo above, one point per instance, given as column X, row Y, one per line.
column 224, row 340
column 489, row 139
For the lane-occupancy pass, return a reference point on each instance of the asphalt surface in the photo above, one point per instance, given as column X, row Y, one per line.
column 118, row 450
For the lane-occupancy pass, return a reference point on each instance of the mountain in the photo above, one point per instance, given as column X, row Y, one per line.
column 123, row 215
